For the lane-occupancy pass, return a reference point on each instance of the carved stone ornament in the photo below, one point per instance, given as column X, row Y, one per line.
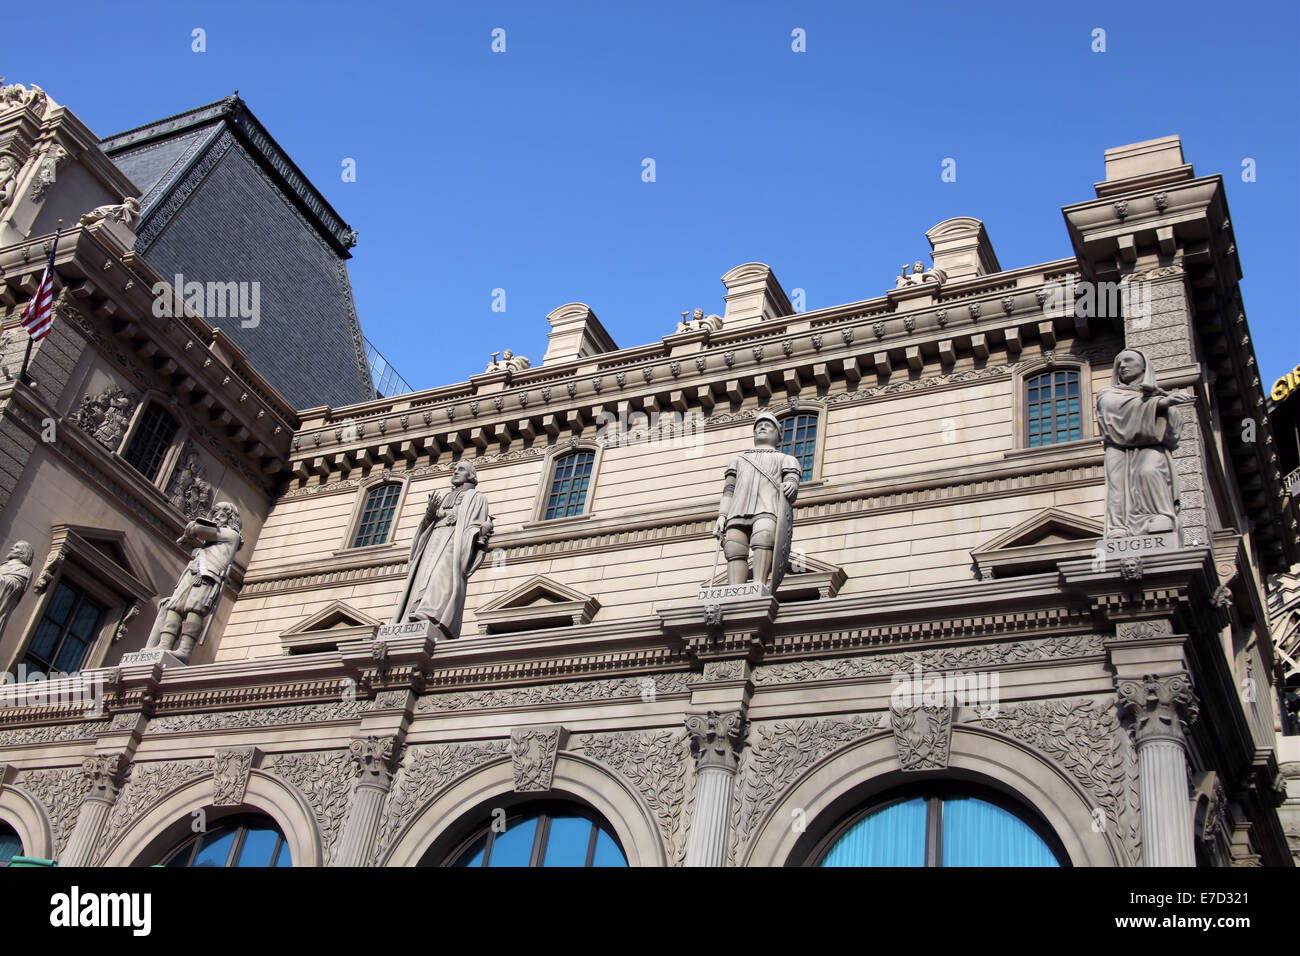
column 105, row 772
column 922, row 736
column 105, row 416
column 1141, row 630
column 16, row 96
column 1159, row 707
column 716, row 739
column 375, row 758
column 188, row 491
column 533, row 752
column 126, row 212
column 1130, row 569
column 230, row 778
column 54, row 158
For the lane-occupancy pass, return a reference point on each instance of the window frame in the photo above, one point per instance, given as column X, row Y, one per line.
column 1020, row 403
column 242, row 823
column 553, row 457
column 172, row 456
column 935, row 793
column 818, row 412
column 364, row 489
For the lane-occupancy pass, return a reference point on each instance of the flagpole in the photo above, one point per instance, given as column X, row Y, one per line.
column 27, row 353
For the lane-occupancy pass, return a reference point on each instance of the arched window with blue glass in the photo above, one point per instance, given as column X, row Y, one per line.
column 375, row 524
column 941, row 828
column 11, row 845
column 1053, row 407
column 799, row 439
column 539, row 835
column 242, row 841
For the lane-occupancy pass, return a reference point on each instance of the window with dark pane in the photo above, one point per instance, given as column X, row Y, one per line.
column 1054, row 409
column 66, row 631
column 569, row 484
column 240, row 842
column 150, row 441
column 10, row 844
column 799, row 439
column 377, row 515
column 551, row 835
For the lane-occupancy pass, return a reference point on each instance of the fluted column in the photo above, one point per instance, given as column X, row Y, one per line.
column 1161, row 709
column 715, row 742
column 105, row 773
column 375, row 758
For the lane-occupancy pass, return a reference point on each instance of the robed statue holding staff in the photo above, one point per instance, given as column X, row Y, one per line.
column 1139, row 424
column 449, row 546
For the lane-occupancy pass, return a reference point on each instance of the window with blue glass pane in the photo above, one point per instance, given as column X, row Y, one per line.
column 799, row 439
column 10, row 845
column 377, row 516
column 68, row 628
column 939, row 830
column 239, row 842
column 550, row 835
column 1054, row 409
column 569, row 484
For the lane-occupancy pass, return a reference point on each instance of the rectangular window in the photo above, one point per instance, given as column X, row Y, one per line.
column 569, row 486
column 151, row 440
column 66, row 632
column 1054, row 412
column 799, row 439
column 377, row 516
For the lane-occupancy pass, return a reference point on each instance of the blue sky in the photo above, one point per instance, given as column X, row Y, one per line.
column 523, row 170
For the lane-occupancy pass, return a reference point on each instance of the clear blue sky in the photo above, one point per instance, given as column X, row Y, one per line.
column 522, row 170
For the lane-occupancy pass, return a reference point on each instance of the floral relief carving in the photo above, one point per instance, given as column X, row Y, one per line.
column 147, row 785
column 1085, row 738
column 256, row 717
column 659, row 765
column 60, row 793
column 533, row 751
column 325, row 780
column 647, row 687
column 922, row 736
column 778, row 753
column 426, row 771
column 231, row 777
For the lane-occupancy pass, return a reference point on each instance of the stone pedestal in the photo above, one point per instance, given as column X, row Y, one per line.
column 149, row 657
column 426, row 629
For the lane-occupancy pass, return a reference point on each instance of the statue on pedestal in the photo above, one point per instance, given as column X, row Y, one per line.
column 183, row 617
column 449, row 546
column 15, row 574
column 1139, row 424
column 757, row 508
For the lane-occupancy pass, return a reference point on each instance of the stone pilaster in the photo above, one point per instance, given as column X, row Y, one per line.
column 375, row 759
column 715, row 741
column 1160, row 710
column 105, row 772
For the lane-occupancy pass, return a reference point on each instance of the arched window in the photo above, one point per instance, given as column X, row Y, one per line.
column 570, row 479
column 799, row 438
column 236, row 841
column 556, row 834
column 377, row 514
column 151, row 440
column 10, row 844
column 1053, row 408
column 939, row 829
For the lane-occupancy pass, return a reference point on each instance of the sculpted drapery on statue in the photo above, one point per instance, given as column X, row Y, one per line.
column 1139, row 424
column 183, row 617
column 15, row 574
column 449, row 545
column 757, row 508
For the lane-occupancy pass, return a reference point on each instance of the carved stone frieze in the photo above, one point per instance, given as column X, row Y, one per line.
column 1140, row 630
column 533, row 752
column 105, row 416
column 256, row 717
column 148, row 784
column 60, row 792
column 647, row 687
column 47, row 734
column 724, row 670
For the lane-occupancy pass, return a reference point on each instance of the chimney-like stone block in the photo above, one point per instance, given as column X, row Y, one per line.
column 575, row 333
column 961, row 249
column 753, row 295
column 1154, row 162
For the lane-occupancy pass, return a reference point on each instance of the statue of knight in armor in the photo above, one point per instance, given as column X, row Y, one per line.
column 184, row 616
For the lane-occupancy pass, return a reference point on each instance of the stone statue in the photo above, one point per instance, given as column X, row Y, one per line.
column 8, row 177
column 920, row 275
column 105, row 416
column 15, row 574
column 698, row 320
column 756, row 512
column 1139, row 424
column 448, row 547
column 126, row 212
column 16, row 95
column 189, row 493
column 509, row 362
column 183, row 617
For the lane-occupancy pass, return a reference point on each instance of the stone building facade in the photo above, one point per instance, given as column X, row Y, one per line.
column 1114, row 709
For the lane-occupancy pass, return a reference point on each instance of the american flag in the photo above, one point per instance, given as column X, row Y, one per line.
column 39, row 314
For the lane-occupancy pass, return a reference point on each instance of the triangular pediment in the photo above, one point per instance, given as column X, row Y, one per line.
column 326, row 628
column 1037, row 544
column 539, row 602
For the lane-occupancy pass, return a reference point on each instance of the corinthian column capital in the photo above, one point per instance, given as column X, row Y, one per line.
column 1159, row 707
column 716, row 739
column 375, row 759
